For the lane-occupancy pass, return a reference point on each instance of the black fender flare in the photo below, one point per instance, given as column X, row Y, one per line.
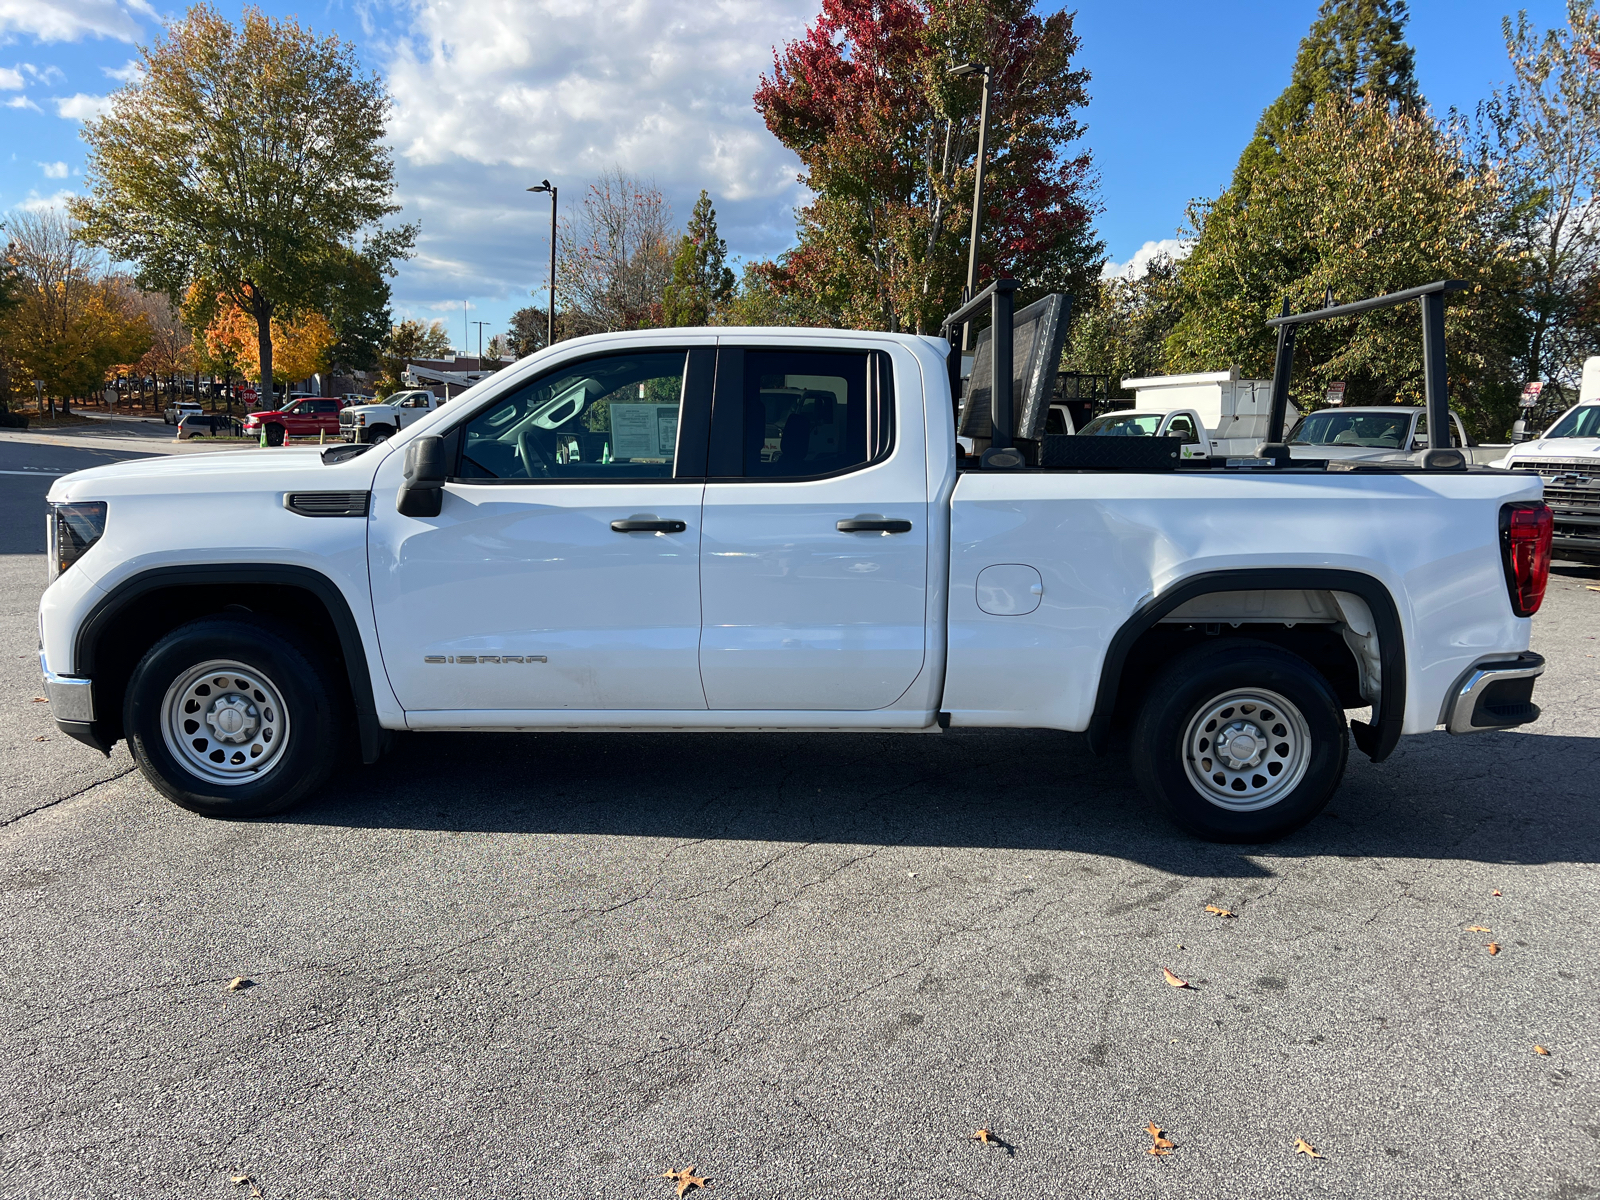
column 1376, row 740
column 372, row 734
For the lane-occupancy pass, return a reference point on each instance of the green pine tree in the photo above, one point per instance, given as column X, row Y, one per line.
column 702, row 283
column 1355, row 49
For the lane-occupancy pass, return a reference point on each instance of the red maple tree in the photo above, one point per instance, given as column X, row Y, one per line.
column 887, row 142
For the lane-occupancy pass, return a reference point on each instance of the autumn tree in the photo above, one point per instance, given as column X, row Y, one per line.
column 887, row 141
column 614, row 257
column 252, row 158
column 702, row 283
column 1543, row 139
column 1363, row 200
column 300, row 344
column 70, row 323
column 11, row 286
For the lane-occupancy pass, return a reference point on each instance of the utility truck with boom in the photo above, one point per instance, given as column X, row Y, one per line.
column 725, row 529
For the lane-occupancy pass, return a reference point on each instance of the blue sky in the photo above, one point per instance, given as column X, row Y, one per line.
column 492, row 95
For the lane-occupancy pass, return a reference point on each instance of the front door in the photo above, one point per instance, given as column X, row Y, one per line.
column 563, row 569
column 814, row 555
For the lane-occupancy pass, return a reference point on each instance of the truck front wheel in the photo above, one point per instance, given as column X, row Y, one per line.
column 1240, row 741
column 228, row 718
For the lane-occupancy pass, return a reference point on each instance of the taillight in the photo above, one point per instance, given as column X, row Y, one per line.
column 1525, row 532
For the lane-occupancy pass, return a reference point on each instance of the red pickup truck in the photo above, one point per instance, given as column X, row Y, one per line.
column 305, row 417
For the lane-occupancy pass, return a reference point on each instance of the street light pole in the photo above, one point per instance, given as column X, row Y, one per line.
column 550, row 328
column 977, row 191
column 480, row 325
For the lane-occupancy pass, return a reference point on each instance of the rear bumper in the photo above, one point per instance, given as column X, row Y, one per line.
column 1496, row 693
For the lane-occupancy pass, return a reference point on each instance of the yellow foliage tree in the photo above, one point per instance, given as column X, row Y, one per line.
column 300, row 344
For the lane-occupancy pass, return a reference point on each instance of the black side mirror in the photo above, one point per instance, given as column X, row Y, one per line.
column 422, row 492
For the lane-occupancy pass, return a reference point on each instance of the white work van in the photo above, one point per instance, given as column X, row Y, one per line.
column 772, row 529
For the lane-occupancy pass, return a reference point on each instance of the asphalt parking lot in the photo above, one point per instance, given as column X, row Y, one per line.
column 808, row 965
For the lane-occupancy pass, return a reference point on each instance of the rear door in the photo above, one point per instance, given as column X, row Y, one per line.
column 814, row 552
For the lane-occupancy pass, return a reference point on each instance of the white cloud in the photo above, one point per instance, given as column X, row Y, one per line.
column 1135, row 267
column 492, row 96
column 81, row 107
column 74, row 20
column 10, row 80
column 129, row 72
column 55, row 170
column 48, row 74
column 37, row 203
column 23, row 102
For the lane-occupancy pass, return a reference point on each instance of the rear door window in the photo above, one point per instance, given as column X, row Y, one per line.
column 807, row 414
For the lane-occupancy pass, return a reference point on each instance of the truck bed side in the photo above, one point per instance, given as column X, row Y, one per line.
column 1105, row 545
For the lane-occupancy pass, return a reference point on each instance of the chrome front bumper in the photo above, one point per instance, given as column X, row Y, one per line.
column 1496, row 693
column 71, row 700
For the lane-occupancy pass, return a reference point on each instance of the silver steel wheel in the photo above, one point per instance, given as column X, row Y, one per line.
column 1247, row 749
column 225, row 722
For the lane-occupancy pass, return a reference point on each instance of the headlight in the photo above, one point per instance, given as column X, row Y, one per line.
column 71, row 530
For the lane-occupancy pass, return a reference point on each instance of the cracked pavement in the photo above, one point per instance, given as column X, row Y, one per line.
column 810, row 965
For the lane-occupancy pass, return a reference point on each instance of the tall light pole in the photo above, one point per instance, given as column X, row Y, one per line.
column 977, row 190
column 550, row 328
column 480, row 325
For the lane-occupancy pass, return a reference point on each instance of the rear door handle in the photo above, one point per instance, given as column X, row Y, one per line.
column 647, row 525
column 873, row 525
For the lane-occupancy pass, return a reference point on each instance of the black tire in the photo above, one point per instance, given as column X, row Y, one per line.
column 380, row 433
column 1288, row 769
column 288, row 693
column 275, row 434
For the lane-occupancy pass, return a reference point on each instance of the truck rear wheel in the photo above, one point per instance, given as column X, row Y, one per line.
column 1240, row 741
column 274, row 434
column 228, row 718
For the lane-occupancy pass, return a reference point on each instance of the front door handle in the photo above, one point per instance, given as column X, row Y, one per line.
column 873, row 525
column 647, row 525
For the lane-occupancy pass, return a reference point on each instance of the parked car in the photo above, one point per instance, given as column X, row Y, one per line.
column 1376, row 433
column 304, row 417
column 178, row 409
column 740, row 529
column 369, row 422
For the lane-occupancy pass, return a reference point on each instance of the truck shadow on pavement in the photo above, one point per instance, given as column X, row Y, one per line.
column 1493, row 798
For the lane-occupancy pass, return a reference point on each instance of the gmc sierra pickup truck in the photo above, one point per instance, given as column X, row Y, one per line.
column 772, row 529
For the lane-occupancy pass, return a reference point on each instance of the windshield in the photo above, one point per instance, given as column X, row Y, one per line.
column 1378, row 431
column 1122, row 425
column 1583, row 421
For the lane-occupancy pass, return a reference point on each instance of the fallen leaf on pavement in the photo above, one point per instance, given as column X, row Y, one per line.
column 40, row 700
column 1479, row 929
column 1174, row 981
column 985, row 1136
column 1221, row 912
column 1496, row 892
column 241, row 1179
column 1301, row 1146
column 239, row 983
column 1163, row 1144
column 1592, row 587
column 1494, row 947
column 1541, row 1050
column 41, row 738
column 685, row 1179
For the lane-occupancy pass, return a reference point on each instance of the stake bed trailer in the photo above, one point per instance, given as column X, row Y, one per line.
column 772, row 529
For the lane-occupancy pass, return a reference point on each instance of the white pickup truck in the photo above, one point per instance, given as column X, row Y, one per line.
column 375, row 422
column 771, row 529
column 1567, row 456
